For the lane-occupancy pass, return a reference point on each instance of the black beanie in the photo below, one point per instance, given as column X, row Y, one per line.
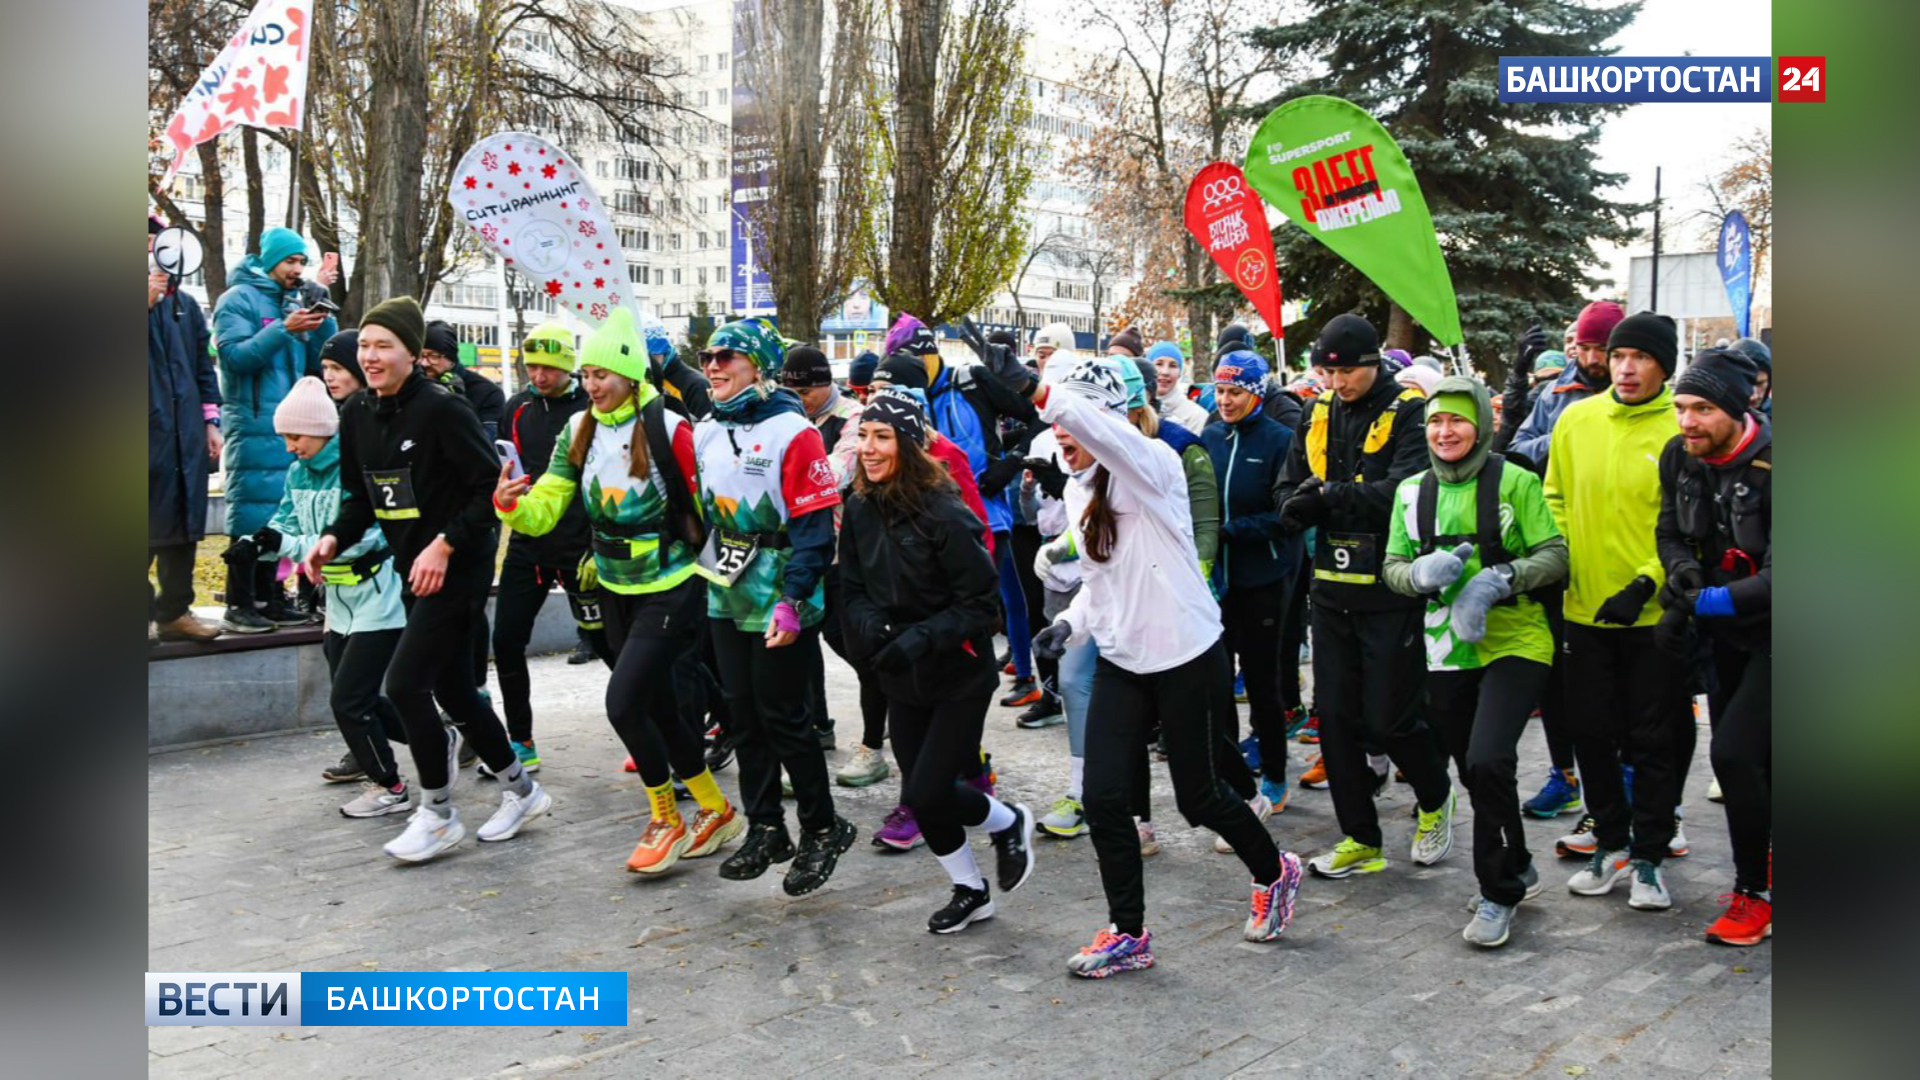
column 898, row 410
column 904, row 369
column 343, row 348
column 1651, row 333
column 442, row 338
column 1722, row 376
column 1234, row 336
column 806, row 367
column 1347, row 341
column 403, row 316
column 1003, row 337
column 860, row 372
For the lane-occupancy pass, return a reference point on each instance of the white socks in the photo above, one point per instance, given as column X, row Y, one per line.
column 960, row 866
column 999, row 816
column 1077, row 778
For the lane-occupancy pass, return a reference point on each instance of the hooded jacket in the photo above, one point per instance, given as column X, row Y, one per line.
column 1603, row 486
column 1247, row 458
column 311, row 502
column 1534, row 439
column 536, row 424
column 1707, row 511
column 1527, row 532
column 259, row 363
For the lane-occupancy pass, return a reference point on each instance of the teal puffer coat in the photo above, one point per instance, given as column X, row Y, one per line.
column 259, row 362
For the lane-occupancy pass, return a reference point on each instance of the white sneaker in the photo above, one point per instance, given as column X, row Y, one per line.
column 1678, row 848
column 377, row 801
column 428, row 834
column 514, row 812
column 1433, row 835
column 1262, row 808
column 1649, row 891
column 1600, row 874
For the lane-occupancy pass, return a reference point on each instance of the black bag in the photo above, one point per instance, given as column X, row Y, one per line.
column 685, row 522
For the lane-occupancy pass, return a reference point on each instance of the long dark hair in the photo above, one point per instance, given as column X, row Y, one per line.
column 636, row 446
column 904, row 493
column 1098, row 523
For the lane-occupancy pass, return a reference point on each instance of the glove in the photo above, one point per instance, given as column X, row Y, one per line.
column 1052, row 553
column 267, row 540
column 1713, row 603
column 995, row 477
column 1438, row 569
column 1623, row 607
column 1670, row 633
column 1526, row 350
column 900, row 654
column 1051, row 643
column 1306, row 508
column 241, row 552
column 588, row 573
column 1685, row 580
column 1051, row 478
column 1468, row 613
column 785, row 619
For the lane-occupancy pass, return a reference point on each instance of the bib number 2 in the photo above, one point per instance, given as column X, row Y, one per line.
column 392, row 491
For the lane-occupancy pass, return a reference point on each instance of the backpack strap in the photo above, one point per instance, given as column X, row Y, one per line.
column 1486, row 526
column 683, row 515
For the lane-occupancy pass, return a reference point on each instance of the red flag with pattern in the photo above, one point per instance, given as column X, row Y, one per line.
column 259, row 79
column 1230, row 222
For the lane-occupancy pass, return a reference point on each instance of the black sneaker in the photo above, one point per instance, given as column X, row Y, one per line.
column 1013, row 849
column 245, row 621
column 680, row 791
column 286, row 614
column 967, row 907
column 764, row 846
column 719, row 749
column 820, row 851
column 582, row 654
column 1044, row 713
column 346, row 772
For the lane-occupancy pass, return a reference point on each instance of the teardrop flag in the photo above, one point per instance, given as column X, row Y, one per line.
column 1337, row 173
column 1229, row 221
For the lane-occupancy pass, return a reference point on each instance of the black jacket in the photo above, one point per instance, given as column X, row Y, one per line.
column 1359, row 487
column 927, row 581
column 1706, row 511
column 1283, row 407
column 180, row 382
column 487, row 399
column 417, row 465
column 993, row 402
column 534, row 423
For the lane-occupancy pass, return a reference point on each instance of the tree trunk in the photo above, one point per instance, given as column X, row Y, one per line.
column 256, row 188
column 396, row 133
column 1399, row 328
column 326, row 233
column 213, row 230
column 1193, row 264
column 796, row 176
column 910, row 246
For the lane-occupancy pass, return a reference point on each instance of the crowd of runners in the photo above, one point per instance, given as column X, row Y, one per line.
column 1586, row 545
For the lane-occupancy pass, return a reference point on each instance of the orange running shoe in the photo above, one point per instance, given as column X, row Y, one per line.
column 1316, row 774
column 628, row 765
column 1748, row 921
column 660, row 847
column 711, row 829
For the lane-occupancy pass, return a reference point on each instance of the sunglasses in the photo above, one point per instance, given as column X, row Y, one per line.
column 719, row 356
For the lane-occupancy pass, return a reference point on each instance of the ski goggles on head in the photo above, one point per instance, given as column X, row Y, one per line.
column 547, row 345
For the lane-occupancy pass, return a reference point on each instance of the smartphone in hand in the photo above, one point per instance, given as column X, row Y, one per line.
column 510, row 455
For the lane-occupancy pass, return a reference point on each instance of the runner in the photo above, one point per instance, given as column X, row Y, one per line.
column 1715, row 536
column 1473, row 536
column 1142, row 599
column 1359, row 442
column 764, row 480
column 413, row 463
column 1628, row 697
column 921, row 603
column 1170, row 387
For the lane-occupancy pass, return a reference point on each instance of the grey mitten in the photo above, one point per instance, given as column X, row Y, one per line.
column 1469, row 609
column 1438, row 569
column 1051, row 643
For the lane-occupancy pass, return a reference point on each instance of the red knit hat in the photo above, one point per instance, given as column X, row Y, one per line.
column 1596, row 322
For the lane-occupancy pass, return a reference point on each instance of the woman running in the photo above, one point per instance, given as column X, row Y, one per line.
column 652, row 602
column 1473, row 535
column 414, row 462
column 1143, row 601
column 921, row 601
column 768, row 491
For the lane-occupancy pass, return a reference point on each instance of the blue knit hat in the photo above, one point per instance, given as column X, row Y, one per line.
column 1242, row 368
column 1167, row 349
column 277, row 245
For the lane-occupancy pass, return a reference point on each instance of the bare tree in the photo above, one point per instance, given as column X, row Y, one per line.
column 1747, row 186
column 1056, row 246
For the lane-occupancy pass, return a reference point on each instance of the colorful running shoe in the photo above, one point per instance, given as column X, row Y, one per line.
column 1316, row 774
column 1433, row 833
column 1272, row 906
column 1296, row 719
column 1748, row 920
column 710, row 830
column 1348, row 857
column 1240, row 687
column 1579, row 843
column 1250, row 749
column 1149, row 843
column 1023, row 692
column 1066, row 820
column 1111, row 953
column 1310, row 731
column 1602, row 872
column 1559, row 795
column 899, row 832
column 661, row 845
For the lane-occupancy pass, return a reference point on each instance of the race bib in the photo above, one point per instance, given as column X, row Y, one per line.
column 1350, row 558
column 728, row 554
column 586, row 609
column 392, row 491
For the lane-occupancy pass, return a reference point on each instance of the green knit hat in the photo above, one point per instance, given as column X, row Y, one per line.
column 403, row 316
column 616, row 347
column 1458, row 402
column 549, row 345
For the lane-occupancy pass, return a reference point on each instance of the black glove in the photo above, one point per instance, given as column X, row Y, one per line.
column 267, row 539
column 241, row 552
column 997, row 358
column 995, row 477
column 1526, row 350
column 1306, row 508
column 1051, row 643
column 1623, row 608
column 1051, row 478
column 1670, row 633
column 1686, row 580
column 902, row 652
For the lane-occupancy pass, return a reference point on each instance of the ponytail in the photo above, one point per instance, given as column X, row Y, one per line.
column 1098, row 523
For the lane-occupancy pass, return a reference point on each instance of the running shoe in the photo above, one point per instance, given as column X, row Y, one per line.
column 820, row 851
column 1678, row 847
column 1491, row 926
column 966, row 907
column 523, row 752
column 427, row 834
column 1748, row 920
column 1066, row 820
column 719, row 749
column 899, row 832
column 1240, row 687
column 1149, row 843
column 628, row 765
column 515, row 811
column 1111, row 953
column 1714, row 794
column 764, row 846
column 1275, row 792
column 1023, row 692
column 1559, row 795
column 660, row 846
column 712, row 829
column 377, row 801
column 1250, row 749
column 1296, row 719
column 1579, row 843
column 1013, row 849
column 1348, row 857
column 1316, row 774
column 457, row 751
column 1310, row 731
column 1530, row 878
column 1262, row 807
column 245, row 621
column 1044, row 713
column 867, row 766
column 825, row 737
column 1272, row 906
column 1602, row 872
column 1649, row 887
column 1433, row 834
column 345, row 772
column 987, row 778
column 582, row 653
column 1005, row 660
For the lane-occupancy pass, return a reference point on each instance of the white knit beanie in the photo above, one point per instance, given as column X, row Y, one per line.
column 307, row 410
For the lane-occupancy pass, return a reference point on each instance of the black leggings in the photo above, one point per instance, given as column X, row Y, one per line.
column 368, row 721
column 1482, row 713
column 935, row 741
column 655, row 632
column 434, row 661
column 1368, row 671
column 1553, row 699
column 1293, row 634
column 525, row 585
column 1253, row 618
column 1124, row 707
column 1026, row 541
column 767, row 698
column 1743, row 758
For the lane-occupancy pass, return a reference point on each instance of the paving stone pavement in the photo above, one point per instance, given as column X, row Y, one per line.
column 250, row 868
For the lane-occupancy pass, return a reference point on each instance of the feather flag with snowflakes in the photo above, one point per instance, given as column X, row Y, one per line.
column 259, row 79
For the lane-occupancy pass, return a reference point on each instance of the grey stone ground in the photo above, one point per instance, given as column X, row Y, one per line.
column 250, row 869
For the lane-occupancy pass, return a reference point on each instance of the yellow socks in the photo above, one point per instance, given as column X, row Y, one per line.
column 661, row 799
column 706, row 791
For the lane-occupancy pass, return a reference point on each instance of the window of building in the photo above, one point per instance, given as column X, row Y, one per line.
column 702, row 175
column 629, row 237
column 478, row 333
column 720, row 61
column 703, row 204
column 673, row 243
column 703, row 62
column 676, row 275
column 637, row 275
column 703, row 275
column 659, row 277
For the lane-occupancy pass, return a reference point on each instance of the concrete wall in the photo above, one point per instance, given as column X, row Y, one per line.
column 234, row 695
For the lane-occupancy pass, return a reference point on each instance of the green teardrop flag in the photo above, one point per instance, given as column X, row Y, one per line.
column 1337, row 173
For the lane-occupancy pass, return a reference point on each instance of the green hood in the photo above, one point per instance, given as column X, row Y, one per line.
column 1459, row 472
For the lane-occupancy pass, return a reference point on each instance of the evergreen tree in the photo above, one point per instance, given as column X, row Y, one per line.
column 1513, row 188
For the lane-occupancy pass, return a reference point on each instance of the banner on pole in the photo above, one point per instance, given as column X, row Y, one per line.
column 1336, row 173
column 531, row 204
column 1228, row 220
column 1736, row 266
column 756, row 35
column 259, row 79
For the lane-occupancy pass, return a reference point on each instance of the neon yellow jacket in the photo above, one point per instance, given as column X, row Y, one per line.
column 1603, row 487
